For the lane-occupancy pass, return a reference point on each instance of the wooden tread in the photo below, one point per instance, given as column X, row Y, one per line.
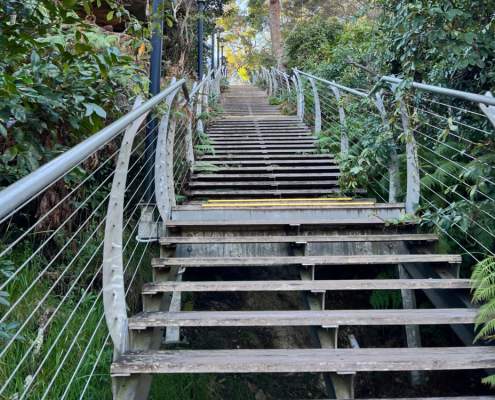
column 304, row 360
column 268, row 182
column 295, row 223
column 311, row 285
column 307, row 260
column 167, row 240
column 268, row 192
column 305, row 318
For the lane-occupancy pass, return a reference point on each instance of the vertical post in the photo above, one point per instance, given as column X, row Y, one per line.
column 300, row 95
column 219, row 62
column 317, row 110
column 344, row 139
column 201, row 8
column 213, row 49
column 413, row 181
column 222, row 58
column 155, row 76
column 393, row 166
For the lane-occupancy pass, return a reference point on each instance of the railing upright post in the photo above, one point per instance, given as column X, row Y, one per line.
column 275, row 82
column 413, row 190
column 317, row 107
column 300, row 95
column 287, row 83
column 344, row 138
column 189, row 130
column 393, row 166
column 164, row 180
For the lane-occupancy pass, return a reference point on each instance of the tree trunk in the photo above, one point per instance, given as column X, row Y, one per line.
column 275, row 34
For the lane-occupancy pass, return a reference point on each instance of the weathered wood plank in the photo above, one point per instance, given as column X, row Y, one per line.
column 209, row 184
column 315, row 285
column 307, row 260
column 305, row 318
column 266, row 176
column 268, row 192
column 296, row 239
column 305, row 360
column 298, row 222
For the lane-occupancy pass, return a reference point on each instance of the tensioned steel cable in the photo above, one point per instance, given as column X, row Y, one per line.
column 44, row 216
column 94, row 277
column 61, row 275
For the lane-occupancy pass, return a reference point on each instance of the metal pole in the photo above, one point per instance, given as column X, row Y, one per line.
column 213, row 49
column 155, row 76
column 221, row 58
column 219, row 62
column 201, row 8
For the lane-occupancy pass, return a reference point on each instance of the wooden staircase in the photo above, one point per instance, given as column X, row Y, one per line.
column 271, row 207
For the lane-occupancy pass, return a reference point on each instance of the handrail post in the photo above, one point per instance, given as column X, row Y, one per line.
column 190, row 105
column 413, row 190
column 317, row 107
column 300, row 95
column 114, row 298
column 275, row 82
column 393, row 166
column 164, row 152
column 344, row 138
column 287, row 83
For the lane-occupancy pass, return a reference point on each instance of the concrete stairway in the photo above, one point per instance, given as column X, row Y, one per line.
column 272, row 208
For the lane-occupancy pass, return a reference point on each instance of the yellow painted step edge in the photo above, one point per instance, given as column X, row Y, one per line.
column 309, row 199
column 288, row 204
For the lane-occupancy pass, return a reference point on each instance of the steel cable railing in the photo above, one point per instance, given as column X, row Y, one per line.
column 55, row 226
column 426, row 145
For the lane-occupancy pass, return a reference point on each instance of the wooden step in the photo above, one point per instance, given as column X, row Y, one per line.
column 252, row 142
column 266, row 176
column 312, row 285
column 381, row 259
column 171, row 224
column 266, row 183
column 276, row 158
column 167, row 240
column 446, row 316
column 304, row 360
column 329, row 163
column 260, row 147
column 266, row 192
column 218, row 168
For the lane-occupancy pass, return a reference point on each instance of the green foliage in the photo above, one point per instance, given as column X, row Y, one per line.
column 439, row 41
column 61, row 79
column 311, row 41
column 385, row 299
column 483, row 284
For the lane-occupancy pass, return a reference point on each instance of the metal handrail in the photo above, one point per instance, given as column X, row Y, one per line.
column 31, row 185
column 334, row 84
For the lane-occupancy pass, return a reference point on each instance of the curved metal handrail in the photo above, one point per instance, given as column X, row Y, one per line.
column 37, row 181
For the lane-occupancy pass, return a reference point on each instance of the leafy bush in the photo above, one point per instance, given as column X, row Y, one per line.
column 311, row 42
column 439, row 41
column 60, row 80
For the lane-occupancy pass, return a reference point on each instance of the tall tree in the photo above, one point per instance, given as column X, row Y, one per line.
column 276, row 36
